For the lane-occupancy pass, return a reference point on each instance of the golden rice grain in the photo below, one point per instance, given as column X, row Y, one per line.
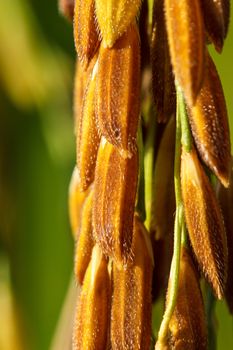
column 204, row 222
column 85, row 31
column 131, row 301
column 91, row 321
column 115, row 190
column 87, row 137
column 209, row 123
column 185, row 31
column 114, row 18
column 84, row 243
column 187, row 325
column 118, row 91
column 163, row 86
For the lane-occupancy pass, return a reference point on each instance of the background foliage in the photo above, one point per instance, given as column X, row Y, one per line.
column 37, row 154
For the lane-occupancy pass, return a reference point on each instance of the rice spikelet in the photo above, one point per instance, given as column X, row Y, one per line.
column 186, row 43
column 115, row 190
column 163, row 86
column 85, row 241
column 187, row 325
column 85, row 31
column 118, row 91
column 91, row 321
column 204, row 222
column 87, row 137
column 131, row 301
column 76, row 199
column 114, row 18
column 209, row 123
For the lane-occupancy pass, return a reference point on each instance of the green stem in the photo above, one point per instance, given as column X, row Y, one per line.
column 184, row 238
column 175, row 265
column 186, row 142
column 173, row 283
column 178, row 156
column 186, row 136
column 150, row 11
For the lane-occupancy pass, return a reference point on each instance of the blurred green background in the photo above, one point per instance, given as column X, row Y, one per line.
column 37, row 154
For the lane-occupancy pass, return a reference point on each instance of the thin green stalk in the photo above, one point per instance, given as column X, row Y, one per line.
column 184, row 236
column 175, row 265
column 186, row 136
column 186, row 143
column 148, row 164
column 178, row 157
column 150, row 11
column 173, row 283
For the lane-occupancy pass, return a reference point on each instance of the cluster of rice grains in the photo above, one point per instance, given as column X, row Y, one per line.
column 166, row 156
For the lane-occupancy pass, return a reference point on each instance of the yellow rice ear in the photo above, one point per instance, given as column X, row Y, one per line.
column 114, row 17
column 86, row 37
column 76, row 199
column 118, row 91
column 186, row 40
column 204, row 222
column 209, row 123
column 84, row 241
column 131, row 300
column 187, row 325
column 87, row 137
column 114, row 198
column 163, row 86
column 92, row 320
